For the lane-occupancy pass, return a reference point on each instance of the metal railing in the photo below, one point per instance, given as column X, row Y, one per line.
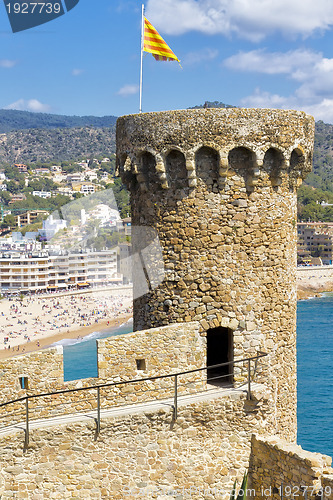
column 211, row 380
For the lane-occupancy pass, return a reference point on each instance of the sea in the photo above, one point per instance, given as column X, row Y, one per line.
column 315, row 374
column 314, row 361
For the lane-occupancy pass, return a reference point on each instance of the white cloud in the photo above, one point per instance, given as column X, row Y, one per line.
column 200, row 56
column 320, row 108
column 77, row 72
column 29, row 105
column 263, row 99
column 7, row 63
column 260, row 61
column 127, row 90
column 250, row 19
column 311, row 72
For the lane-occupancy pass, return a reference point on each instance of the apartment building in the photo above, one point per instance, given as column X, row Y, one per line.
column 22, row 167
column 87, row 189
column 315, row 239
column 57, row 270
column 17, row 197
column 75, row 177
column 42, row 171
column 83, row 188
column 42, row 194
column 29, row 217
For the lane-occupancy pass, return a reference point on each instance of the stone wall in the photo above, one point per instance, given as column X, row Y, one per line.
column 327, row 485
column 145, row 455
column 279, row 469
column 162, row 351
column 154, row 352
column 219, row 187
column 149, row 455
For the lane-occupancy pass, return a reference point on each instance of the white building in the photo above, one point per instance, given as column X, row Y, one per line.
column 43, row 270
column 51, row 226
column 104, row 176
column 87, row 189
column 90, row 175
column 42, row 194
column 58, row 177
column 75, row 177
column 83, row 164
column 105, row 214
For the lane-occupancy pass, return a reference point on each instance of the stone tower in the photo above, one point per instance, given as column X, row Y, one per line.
column 219, row 187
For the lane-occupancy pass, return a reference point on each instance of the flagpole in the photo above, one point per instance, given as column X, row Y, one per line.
column 141, row 64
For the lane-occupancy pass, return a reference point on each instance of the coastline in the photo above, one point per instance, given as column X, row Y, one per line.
column 83, row 331
column 313, row 282
column 305, row 292
column 37, row 322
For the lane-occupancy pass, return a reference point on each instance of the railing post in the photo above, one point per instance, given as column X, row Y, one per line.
column 175, row 404
column 98, row 411
column 248, row 379
column 26, row 441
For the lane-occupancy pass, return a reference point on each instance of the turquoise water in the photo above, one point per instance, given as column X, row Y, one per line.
column 315, row 374
column 80, row 357
column 315, row 369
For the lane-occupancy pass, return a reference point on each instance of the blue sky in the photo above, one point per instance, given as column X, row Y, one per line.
column 250, row 53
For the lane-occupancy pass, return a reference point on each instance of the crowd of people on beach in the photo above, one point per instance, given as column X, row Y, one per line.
column 26, row 320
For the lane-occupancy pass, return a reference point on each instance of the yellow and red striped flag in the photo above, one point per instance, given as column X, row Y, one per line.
column 154, row 43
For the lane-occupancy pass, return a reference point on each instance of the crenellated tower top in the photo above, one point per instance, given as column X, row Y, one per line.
column 255, row 142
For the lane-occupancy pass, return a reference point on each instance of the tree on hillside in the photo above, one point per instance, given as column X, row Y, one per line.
column 5, row 197
column 9, row 221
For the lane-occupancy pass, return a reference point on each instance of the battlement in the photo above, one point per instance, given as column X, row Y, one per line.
column 178, row 149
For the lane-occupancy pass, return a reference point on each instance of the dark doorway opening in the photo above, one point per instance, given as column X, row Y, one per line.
column 220, row 350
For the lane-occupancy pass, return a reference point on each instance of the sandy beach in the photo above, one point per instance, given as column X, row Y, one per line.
column 314, row 281
column 39, row 321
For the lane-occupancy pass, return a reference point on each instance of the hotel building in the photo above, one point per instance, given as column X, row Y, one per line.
column 315, row 239
column 47, row 270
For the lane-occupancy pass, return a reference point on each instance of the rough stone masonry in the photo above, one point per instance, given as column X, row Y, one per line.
column 219, row 187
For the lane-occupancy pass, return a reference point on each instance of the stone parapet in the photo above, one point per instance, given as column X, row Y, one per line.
column 145, row 455
column 151, row 353
column 282, row 470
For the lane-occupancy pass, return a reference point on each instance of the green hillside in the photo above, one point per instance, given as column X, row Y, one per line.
column 45, row 137
column 12, row 119
column 29, row 146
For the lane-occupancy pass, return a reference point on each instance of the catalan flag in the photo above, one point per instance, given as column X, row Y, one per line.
column 154, row 43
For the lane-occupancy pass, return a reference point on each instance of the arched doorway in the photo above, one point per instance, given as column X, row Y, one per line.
column 220, row 350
